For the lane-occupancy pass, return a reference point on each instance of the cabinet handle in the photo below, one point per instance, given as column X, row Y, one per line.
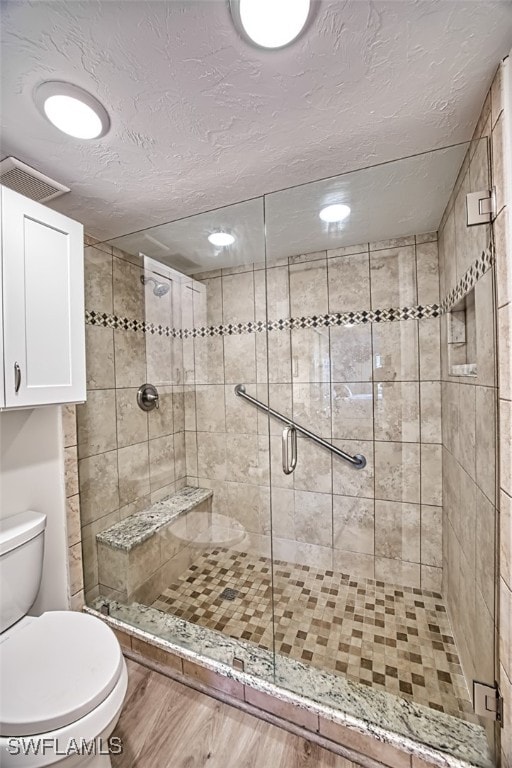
column 17, row 377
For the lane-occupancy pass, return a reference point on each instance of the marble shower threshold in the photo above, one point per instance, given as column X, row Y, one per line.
column 440, row 739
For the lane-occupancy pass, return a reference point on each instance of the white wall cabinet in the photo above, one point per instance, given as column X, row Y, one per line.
column 43, row 333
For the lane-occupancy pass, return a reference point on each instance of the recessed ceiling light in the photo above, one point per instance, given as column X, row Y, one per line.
column 270, row 23
column 72, row 110
column 332, row 213
column 221, row 238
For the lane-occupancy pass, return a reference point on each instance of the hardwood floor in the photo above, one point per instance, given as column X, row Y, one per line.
column 164, row 724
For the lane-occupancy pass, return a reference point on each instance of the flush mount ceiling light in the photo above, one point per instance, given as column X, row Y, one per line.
column 221, row 239
column 72, row 110
column 332, row 213
column 270, row 23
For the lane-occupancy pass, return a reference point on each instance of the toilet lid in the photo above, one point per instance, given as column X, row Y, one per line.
column 55, row 669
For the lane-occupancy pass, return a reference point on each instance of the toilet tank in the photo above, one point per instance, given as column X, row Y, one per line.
column 21, row 564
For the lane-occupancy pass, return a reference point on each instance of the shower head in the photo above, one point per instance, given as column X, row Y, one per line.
column 160, row 289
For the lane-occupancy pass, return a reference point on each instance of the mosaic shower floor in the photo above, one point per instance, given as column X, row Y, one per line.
column 394, row 638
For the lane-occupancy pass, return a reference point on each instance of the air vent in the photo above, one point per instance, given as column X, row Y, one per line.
column 29, row 182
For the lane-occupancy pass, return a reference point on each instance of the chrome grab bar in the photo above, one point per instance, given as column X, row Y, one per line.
column 289, row 466
column 358, row 461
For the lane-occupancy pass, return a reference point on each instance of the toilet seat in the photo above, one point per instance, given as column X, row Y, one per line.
column 58, row 668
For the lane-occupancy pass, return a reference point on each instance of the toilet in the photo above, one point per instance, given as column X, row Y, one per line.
column 63, row 676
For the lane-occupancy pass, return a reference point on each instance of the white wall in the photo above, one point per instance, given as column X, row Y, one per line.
column 32, row 477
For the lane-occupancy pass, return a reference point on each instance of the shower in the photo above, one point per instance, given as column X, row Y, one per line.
column 160, row 289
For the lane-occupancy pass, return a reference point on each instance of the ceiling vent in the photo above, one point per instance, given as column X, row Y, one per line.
column 29, row 182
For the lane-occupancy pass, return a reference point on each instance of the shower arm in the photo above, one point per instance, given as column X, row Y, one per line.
column 358, row 461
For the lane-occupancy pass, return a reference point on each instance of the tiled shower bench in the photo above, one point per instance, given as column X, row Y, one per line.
column 144, row 553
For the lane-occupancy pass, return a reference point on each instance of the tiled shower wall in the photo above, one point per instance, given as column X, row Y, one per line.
column 127, row 458
column 370, row 387
column 476, row 518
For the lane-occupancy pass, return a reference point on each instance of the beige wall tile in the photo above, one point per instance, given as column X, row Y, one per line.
column 503, row 259
column 395, row 351
column 431, row 578
column 99, row 354
column 130, row 359
column 98, row 283
column 161, row 462
column 396, row 411
column 129, row 293
column 278, row 294
column 397, row 471
column 310, row 355
column 397, row 571
column 240, row 359
column 238, row 298
column 427, row 273
column 314, row 472
column 313, row 518
column 70, row 471
column 431, row 475
column 498, row 164
column 352, row 411
column 96, row 423
column 485, row 330
column 351, row 353
column 69, row 425
column 466, row 431
column 353, row 524
column 308, row 288
column 133, row 463
column 505, row 411
column 506, row 538
column 349, row 282
column 348, row 250
column 211, row 455
column 353, row 564
column 429, row 349
column 393, row 277
column 76, row 581
column 99, row 486
column 312, row 407
column 210, row 409
column 430, row 407
column 349, row 481
column 431, row 536
column 505, row 351
column 397, row 530
column 73, row 520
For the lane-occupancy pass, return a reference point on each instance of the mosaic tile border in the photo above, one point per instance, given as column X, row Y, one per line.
column 330, row 320
column 468, row 281
column 286, row 324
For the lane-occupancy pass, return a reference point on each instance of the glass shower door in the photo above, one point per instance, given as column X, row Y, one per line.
column 367, row 562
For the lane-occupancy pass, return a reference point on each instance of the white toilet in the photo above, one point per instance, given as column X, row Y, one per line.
column 63, row 677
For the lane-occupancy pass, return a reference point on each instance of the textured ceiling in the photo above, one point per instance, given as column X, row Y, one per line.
column 200, row 119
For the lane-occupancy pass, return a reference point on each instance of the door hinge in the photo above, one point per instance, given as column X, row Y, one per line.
column 488, row 701
column 481, row 207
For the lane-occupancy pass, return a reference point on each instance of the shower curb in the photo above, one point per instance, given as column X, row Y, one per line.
column 365, row 744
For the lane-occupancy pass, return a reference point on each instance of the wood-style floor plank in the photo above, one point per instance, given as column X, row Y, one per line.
column 164, row 724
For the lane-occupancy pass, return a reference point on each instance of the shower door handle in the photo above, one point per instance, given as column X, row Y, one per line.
column 289, row 437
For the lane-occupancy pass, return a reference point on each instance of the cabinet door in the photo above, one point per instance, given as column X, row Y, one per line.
column 43, row 304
